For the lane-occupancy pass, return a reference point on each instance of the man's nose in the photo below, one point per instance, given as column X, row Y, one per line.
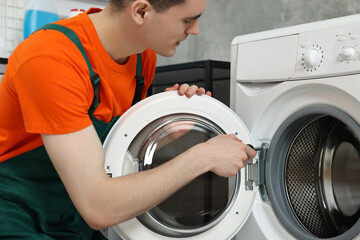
column 194, row 28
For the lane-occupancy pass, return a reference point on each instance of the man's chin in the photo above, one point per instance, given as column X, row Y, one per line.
column 168, row 53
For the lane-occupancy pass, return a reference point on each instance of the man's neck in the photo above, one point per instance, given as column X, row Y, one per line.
column 117, row 34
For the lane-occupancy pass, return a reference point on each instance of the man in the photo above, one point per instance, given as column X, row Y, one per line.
column 52, row 123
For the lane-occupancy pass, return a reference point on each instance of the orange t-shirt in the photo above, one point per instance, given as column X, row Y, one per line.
column 46, row 88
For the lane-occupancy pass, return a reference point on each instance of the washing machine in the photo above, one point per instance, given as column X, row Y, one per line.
column 295, row 97
column 297, row 91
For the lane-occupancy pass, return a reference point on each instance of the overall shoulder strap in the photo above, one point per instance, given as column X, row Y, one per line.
column 139, row 80
column 95, row 79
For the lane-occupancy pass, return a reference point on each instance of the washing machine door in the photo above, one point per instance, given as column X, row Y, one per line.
column 210, row 207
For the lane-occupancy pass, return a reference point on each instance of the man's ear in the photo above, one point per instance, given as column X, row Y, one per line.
column 139, row 9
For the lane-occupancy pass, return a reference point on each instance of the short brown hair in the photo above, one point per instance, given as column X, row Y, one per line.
column 158, row 5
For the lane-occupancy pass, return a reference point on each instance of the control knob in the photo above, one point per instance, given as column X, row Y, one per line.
column 348, row 53
column 312, row 58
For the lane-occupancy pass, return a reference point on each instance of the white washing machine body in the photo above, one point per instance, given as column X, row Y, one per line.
column 285, row 84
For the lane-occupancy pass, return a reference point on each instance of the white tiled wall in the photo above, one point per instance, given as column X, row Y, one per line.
column 11, row 25
column 64, row 6
column 12, row 19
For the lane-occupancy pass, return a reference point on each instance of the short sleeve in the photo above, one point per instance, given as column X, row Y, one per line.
column 54, row 94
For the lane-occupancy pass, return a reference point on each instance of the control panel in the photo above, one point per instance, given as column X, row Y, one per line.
column 328, row 52
column 314, row 50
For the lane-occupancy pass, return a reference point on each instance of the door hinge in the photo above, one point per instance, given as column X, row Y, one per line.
column 255, row 172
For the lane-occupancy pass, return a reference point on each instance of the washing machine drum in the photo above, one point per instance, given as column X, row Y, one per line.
column 332, row 161
column 316, row 160
column 155, row 131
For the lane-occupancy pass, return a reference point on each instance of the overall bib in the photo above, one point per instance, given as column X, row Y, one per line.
column 34, row 203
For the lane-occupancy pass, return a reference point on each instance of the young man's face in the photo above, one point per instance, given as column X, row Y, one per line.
column 167, row 29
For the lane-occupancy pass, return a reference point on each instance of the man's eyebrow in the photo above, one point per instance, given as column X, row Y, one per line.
column 194, row 18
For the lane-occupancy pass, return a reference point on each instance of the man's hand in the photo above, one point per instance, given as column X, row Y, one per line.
column 224, row 154
column 187, row 90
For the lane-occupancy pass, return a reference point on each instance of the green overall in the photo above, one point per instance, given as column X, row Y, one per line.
column 34, row 203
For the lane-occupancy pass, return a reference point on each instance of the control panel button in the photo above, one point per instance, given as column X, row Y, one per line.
column 348, row 53
column 341, row 38
column 312, row 58
column 354, row 36
column 303, row 44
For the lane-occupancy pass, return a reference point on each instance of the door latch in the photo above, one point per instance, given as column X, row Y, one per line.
column 255, row 171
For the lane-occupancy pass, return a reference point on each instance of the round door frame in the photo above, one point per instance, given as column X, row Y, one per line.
column 155, row 107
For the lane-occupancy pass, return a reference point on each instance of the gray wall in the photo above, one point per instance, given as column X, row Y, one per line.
column 225, row 19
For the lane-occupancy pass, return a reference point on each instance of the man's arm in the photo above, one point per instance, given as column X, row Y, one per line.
column 102, row 201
